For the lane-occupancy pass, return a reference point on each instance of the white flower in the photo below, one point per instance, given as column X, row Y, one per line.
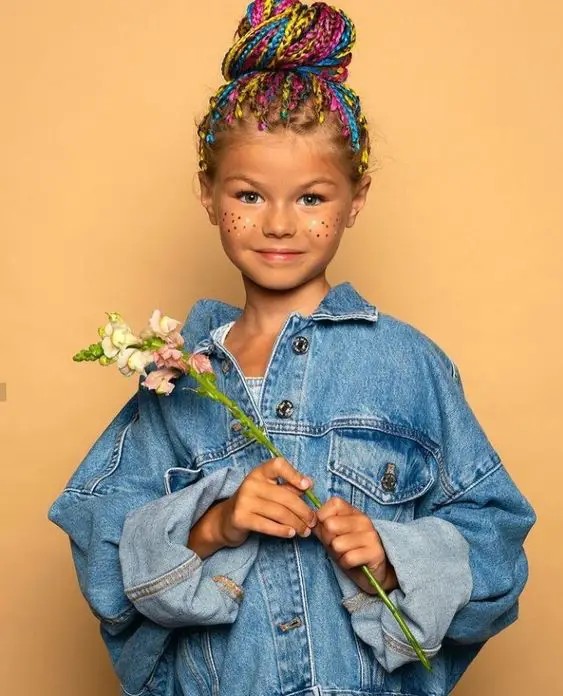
column 133, row 360
column 162, row 325
column 110, row 351
column 139, row 359
column 117, row 336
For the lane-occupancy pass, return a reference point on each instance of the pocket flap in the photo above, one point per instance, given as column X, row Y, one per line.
column 387, row 468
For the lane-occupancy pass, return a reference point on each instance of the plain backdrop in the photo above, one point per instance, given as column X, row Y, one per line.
column 99, row 212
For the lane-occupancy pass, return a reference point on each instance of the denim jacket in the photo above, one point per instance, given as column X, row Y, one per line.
column 374, row 412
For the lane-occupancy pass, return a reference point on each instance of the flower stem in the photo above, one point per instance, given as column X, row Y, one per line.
column 208, row 388
column 398, row 617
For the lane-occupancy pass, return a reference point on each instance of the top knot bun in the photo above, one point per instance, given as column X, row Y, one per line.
column 289, row 35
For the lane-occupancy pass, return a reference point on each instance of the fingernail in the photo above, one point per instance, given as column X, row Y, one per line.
column 305, row 483
column 306, row 532
column 291, row 533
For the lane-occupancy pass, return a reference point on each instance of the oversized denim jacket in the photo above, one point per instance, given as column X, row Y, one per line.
column 374, row 412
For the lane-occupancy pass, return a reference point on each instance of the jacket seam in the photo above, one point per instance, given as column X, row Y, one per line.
column 121, row 618
column 164, row 582
column 115, row 458
column 459, row 494
column 320, row 431
column 82, row 491
column 404, row 649
column 364, row 316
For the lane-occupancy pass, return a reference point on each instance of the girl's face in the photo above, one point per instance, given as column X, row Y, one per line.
column 281, row 202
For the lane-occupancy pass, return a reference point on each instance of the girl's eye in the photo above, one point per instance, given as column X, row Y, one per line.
column 311, row 199
column 250, row 197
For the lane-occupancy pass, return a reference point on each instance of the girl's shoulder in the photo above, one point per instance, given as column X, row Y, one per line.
column 412, row 345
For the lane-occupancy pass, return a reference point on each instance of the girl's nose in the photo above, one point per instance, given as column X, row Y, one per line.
column 279, row 223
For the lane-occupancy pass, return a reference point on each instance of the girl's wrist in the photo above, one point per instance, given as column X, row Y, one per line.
column 205, row 537
column 390, row 582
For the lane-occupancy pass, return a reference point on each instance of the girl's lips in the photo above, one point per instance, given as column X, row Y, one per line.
column 281, row 255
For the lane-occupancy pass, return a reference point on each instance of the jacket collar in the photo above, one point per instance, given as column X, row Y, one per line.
column 341, row 303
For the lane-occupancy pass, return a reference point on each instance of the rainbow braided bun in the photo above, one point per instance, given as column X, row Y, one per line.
column 289, row 35
column 288, row 67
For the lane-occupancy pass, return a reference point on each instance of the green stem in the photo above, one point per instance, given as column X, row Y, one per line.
column 208, row 388
column 398, row 617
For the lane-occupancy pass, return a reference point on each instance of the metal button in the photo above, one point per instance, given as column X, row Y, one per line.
column 285, row 409
column 389, row 478
column 300, row 345
column 236, row 427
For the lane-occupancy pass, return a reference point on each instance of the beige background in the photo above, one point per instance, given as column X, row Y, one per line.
column 462, row 238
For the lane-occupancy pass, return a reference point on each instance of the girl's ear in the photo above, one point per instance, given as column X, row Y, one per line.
column 206, row 196
column 359, row 199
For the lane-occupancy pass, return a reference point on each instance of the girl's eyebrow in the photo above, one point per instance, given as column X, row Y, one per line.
column 242, row 177
column 320, row 180
column 256, row 184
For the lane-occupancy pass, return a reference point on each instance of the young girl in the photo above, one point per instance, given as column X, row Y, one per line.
column 208, row 571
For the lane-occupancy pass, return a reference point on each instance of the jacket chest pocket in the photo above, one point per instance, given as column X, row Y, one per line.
column 383, row 475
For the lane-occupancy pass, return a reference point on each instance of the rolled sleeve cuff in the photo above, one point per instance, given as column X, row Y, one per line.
column 168, row 582
column 431, row 561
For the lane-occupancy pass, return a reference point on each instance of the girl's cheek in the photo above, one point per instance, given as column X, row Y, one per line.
column 325, row 228
column 234, row 224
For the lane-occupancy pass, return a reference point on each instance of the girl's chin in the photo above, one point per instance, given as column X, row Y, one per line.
column 275, row 282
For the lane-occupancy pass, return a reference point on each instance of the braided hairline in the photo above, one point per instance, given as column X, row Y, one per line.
column 277, row 110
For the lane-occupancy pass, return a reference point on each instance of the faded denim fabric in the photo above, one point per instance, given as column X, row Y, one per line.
column 376, row 415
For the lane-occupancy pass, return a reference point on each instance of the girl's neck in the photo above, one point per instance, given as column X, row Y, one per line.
column 265, row 311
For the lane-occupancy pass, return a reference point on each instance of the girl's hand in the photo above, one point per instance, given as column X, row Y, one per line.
column 352, row 541
column 262, row 504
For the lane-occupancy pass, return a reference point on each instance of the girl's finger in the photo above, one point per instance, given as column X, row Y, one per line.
column 292, row 489
column 295, row 504
column 359, row 557
column 348, row 542
column 263, row 525
column 273, row 469
column 335, row 506
column 346, row 524
column 275, row 512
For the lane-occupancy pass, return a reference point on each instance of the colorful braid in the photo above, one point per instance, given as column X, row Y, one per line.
column 287, row 54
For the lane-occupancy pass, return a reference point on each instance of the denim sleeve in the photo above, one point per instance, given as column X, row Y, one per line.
column 124, row 471
column 166, row 580
column 460, row 563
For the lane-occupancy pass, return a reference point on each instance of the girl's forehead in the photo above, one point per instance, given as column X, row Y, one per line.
column 283, row 152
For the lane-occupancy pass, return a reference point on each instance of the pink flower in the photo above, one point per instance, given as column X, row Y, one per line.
column 171, row 358
column 200, row 363
column 159, row 381
column 175, row 339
